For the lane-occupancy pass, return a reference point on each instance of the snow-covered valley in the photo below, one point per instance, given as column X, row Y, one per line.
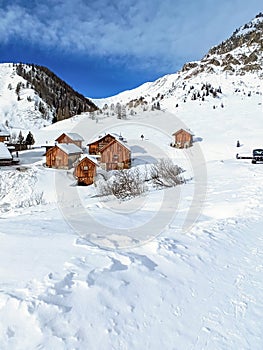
column 178, row 268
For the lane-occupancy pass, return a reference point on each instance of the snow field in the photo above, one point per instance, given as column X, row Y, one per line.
column 66, row 285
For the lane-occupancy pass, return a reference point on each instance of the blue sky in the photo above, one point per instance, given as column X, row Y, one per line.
column 102, row 47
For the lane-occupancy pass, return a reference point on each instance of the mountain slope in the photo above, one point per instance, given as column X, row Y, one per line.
column 32, row 96
column 57, row 94
column 239, row 59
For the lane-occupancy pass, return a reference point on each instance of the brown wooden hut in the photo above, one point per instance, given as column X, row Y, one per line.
column 62, row 156
column 99, row 143
column 70, row 137
column 85, row 171
column 116, row 155
column 183, row 138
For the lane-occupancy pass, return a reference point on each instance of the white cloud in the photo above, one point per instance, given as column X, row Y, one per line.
column 157, row 31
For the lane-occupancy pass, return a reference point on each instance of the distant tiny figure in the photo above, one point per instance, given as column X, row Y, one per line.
column 142, row 137
column 238, row 143
column 16, row 154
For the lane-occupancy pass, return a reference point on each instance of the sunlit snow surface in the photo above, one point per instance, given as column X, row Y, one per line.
column 73, row 274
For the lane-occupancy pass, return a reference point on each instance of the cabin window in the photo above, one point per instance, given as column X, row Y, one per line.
column 115, row 157
column 85, row 168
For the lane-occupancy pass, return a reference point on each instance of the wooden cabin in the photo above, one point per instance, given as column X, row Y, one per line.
column 99, row 143
column 85, row 170
column 62, row 156
column 4, row 133
column 115, row 156
column 183, row 138
column 70, row 137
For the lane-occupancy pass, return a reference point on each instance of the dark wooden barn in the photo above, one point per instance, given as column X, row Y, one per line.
column 99, row 143
column 183, row 138
column 85, row 171
column 116, row 155
column 62, row 156
column 70, row 137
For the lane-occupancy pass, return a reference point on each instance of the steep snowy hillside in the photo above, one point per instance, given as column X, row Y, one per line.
column 19, row 103
column 31, row 97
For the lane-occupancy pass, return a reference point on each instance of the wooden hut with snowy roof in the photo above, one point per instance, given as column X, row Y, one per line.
column 63, row 156
column 183, row 138
column 115, row 155
column 4, row 133
column 70, row 137
column 85, row 170
column 96, row 145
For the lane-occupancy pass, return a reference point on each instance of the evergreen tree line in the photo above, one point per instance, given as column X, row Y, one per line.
column 20, row 139
column 57, row 94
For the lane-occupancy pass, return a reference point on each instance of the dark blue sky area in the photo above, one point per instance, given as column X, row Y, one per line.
column 104, row 47
column 93, row 78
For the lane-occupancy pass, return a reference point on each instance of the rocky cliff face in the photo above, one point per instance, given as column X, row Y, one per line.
column 241, row 53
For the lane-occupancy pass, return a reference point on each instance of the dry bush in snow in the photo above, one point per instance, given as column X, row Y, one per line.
column 166, row 174
column 123, row 185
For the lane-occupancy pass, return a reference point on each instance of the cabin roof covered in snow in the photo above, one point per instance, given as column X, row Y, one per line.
column 69, row 148
column 73, row 135
column 91, row 158
column 116, row 140
column 183, row 129
column 4, row 131
column 4, row 152
column 100, row 137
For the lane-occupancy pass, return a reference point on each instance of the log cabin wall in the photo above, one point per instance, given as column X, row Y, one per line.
column 95, row 147
column 183, row 139
column 56, row 158
column 115, row 157
column 85, row 172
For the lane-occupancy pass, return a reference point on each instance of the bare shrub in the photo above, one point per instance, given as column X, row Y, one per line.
column 128, row 183
column 166, row 174
column 123, row 185
column 33, row 200
column 103, row 187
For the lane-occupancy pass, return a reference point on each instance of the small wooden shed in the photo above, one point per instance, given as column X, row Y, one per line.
column 96, row 145
column 85, row 170
column 70, row 137
column 183, row 138
column 4, row 133
column 116, row 155
column 63, row 156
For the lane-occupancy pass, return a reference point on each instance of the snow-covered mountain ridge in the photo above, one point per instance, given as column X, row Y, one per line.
column 234, row 65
